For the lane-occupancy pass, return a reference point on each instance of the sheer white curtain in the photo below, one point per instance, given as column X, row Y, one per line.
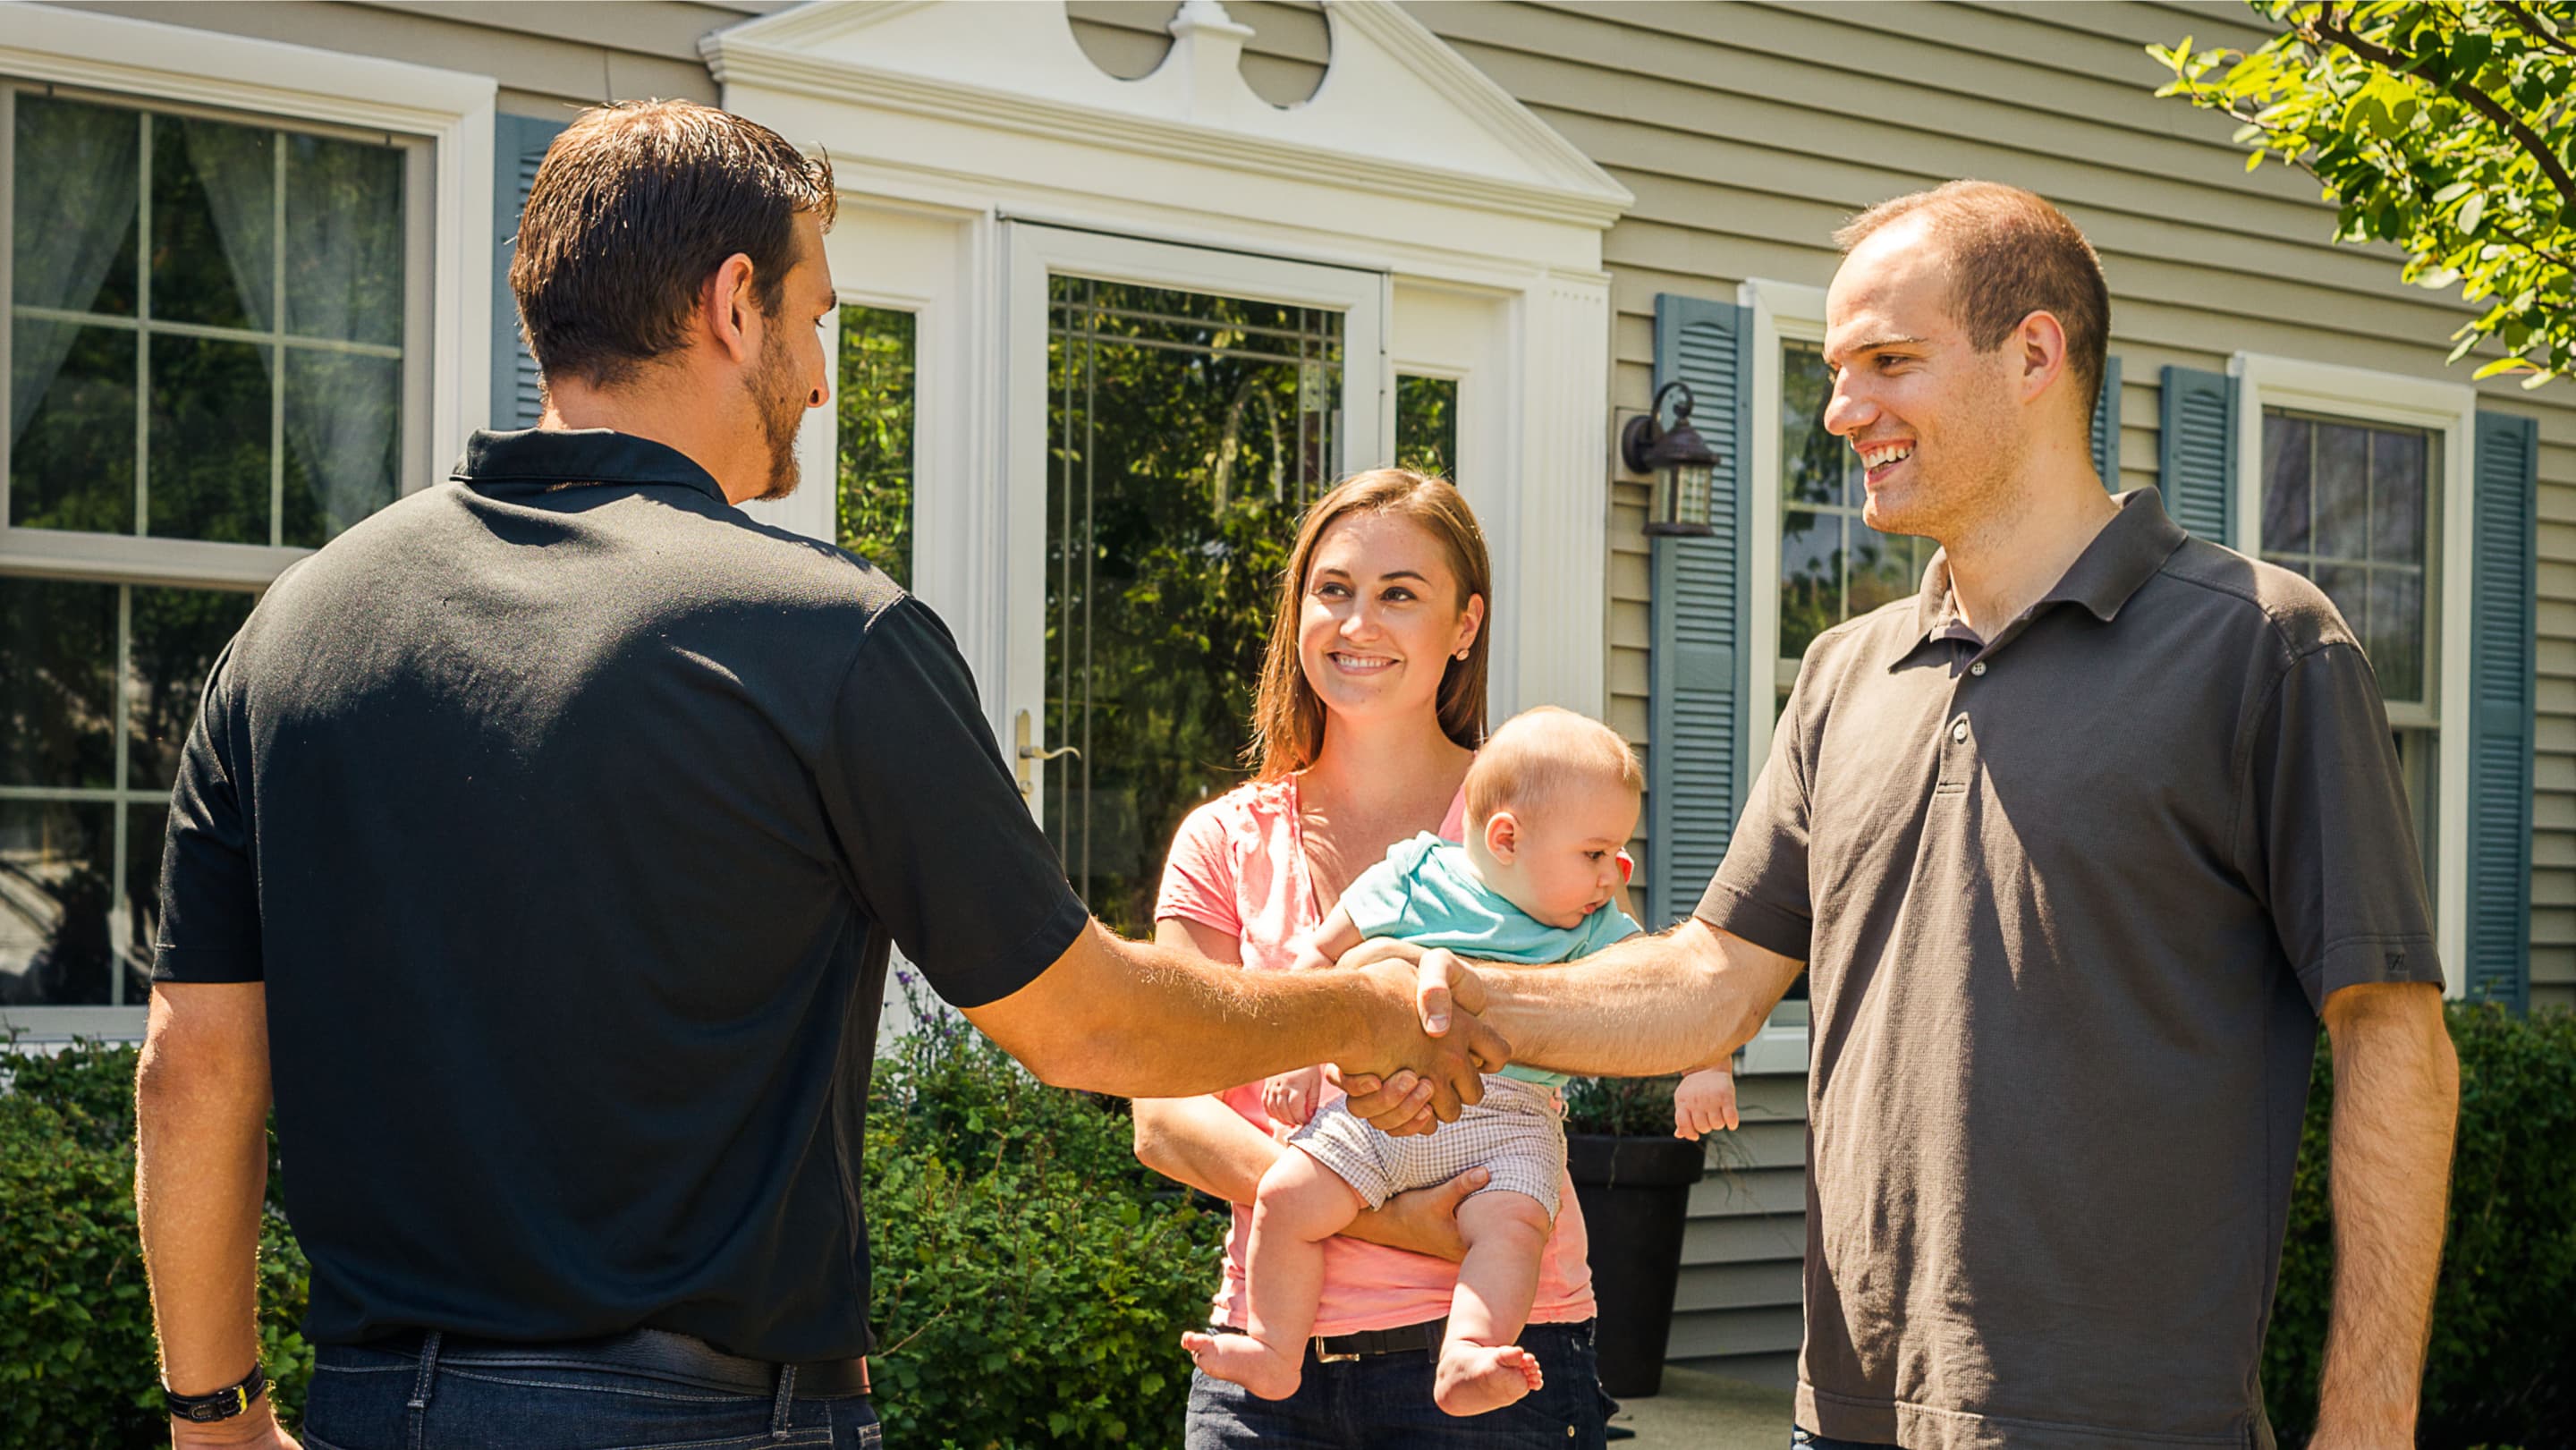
column 344, row 284
column 236, row 168
column 77, row 188
column 344, row 204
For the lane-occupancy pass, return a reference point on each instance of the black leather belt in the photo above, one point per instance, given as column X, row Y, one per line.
column 1421, row 1338
column 662, row 1353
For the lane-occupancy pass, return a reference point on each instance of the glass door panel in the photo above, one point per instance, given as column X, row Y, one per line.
column 1186, row 431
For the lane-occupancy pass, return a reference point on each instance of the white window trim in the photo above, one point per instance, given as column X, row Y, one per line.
column 1777, row 312
column 161, row 64
column 2451, row 409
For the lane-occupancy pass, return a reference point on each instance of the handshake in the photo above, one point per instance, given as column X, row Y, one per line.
column 1432, row 1051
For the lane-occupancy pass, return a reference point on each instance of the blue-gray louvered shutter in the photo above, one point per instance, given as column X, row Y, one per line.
column 519, row 144
column 2502, row 575
column 1696, row 719
column 2196, row 452
column 2106, row 426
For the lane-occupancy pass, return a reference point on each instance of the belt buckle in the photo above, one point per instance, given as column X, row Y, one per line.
column 1326, row 1356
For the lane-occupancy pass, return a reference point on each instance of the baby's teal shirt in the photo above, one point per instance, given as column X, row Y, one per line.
column 1426, row 892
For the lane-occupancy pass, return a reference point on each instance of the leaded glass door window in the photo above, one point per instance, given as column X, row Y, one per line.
column 1187, row 432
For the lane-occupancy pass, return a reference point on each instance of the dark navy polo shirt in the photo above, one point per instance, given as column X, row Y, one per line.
column 565, row 813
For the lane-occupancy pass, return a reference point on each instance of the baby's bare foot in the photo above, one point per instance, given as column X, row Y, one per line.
column 1246, row 1361
column 1474, row 1378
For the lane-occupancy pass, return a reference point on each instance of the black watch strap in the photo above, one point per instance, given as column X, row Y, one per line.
column 223, row 1404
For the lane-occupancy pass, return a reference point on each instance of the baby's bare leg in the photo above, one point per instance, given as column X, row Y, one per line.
column 1481, row 1367
column 1301, row 1203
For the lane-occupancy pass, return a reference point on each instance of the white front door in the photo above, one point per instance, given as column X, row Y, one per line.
column 1170, row 411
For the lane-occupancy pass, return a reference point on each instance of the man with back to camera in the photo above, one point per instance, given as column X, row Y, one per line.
column 2078, row 845
column 540, row 839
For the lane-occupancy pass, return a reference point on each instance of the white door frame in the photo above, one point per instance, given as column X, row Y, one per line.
column 1032, row 254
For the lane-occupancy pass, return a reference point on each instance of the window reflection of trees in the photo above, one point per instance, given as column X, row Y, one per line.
column 82, row 815
column 1186, row 433
column 874, row 497
column 1426, row 425
column 1832, row 566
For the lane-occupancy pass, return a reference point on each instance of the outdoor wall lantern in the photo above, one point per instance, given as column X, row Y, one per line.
column 1680, row 460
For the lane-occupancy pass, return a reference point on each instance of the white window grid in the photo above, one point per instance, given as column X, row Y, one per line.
column 124, row 561
column 136, row 556
column 2419, row 711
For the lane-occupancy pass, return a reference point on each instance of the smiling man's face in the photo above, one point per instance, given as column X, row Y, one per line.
column 1936, row 423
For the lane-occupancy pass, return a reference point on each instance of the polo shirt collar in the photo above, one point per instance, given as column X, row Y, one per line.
column 579, row 457
column 2121, row 558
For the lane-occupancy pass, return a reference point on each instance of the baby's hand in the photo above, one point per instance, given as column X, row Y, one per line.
column 1291, row 1096
column 1704, row 1103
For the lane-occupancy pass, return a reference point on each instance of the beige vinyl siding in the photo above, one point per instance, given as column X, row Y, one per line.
column 549, row 56
column 1749, row 131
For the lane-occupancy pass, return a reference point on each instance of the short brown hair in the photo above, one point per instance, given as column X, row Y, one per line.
column 2011, row 254
column 635, row 204
column 1541, row 751
column 1287, row 714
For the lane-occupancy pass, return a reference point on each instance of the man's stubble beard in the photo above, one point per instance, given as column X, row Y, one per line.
column 781, row 406
column 1973, row 493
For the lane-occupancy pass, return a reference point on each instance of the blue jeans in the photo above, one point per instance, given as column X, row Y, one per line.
column 371, row 1399
column 1383, row 1402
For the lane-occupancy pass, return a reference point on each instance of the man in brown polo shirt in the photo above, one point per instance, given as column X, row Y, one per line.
column 2077, row 846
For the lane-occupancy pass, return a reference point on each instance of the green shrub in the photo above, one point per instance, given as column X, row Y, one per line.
column 1032, row 1280
column 77, row 1365
column 2503, row 1357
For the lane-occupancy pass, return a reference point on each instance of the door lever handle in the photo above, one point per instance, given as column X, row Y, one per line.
column 1028, row 751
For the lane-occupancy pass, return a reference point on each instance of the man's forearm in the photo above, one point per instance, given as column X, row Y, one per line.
column 2395, row 1109
column 200, row 1178
column 1648, row 1006
column 1123, row 1017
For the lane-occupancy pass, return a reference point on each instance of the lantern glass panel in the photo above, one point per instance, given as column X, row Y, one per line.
column 1690, row 485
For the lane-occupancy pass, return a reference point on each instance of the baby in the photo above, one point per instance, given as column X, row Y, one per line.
column 1550, row 800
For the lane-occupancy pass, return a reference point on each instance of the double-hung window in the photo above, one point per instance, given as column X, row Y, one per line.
column 217, row 360
column 2355, row 507
column 2351, row 478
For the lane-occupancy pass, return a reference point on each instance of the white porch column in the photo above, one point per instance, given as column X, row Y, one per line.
column 1553, row 552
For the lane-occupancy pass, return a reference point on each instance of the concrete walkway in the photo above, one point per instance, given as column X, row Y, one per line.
column 1702, row 1411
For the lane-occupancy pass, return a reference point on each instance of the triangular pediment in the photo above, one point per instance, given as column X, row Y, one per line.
column 1397, row 111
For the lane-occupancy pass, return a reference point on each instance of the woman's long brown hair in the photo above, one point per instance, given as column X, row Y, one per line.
column 1287, row 714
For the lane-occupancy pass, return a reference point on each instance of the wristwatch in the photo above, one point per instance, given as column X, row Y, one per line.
column 223, row 1404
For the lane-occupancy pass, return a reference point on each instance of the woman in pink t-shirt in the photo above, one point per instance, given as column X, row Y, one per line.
column 1371, row 704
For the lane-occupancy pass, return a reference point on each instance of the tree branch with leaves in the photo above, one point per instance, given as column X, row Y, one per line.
column 2446, row 129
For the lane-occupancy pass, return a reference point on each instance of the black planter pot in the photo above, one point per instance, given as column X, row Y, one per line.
column 1636, row 1195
